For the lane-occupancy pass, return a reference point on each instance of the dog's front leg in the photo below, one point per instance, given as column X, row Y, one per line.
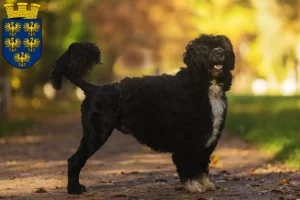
column 192, row 169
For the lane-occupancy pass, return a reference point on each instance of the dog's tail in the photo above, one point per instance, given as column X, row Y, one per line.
column 74, row 63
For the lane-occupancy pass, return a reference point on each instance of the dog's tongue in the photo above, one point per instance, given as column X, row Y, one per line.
column 218, row 66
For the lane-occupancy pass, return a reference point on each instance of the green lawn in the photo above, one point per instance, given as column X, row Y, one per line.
column 270, row 123
column 8, row 126
column 23, row 117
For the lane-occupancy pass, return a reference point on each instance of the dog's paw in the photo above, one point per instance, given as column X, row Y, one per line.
column 194, row 186
column 76, row 189
column 206, row 183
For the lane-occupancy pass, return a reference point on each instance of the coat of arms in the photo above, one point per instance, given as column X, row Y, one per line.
column 22, row 35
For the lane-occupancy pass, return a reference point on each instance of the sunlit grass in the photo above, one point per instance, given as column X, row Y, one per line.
column 26, row 112
column 270, row 123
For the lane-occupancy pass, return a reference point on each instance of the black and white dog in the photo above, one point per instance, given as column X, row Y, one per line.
column 183, row 114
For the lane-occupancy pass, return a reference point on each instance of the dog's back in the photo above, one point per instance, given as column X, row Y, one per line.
column 165, row 112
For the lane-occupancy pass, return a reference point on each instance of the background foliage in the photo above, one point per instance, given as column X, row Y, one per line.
column 265, row 35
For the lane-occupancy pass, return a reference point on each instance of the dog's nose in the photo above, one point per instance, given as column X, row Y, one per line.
column 218, row 50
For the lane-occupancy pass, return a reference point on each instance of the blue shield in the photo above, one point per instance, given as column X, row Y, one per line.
column 22, row 41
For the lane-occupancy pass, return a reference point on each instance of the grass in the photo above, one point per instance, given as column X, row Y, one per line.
column 270, row 123
column 43, row 109
column 26, row 112
column 8, row 126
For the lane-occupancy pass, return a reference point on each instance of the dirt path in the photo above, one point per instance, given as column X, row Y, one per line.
column 33, row 166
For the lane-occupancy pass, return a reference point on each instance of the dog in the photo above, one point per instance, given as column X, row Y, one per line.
column 183, row 114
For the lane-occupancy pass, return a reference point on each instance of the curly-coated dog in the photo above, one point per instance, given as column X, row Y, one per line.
column 183, row 114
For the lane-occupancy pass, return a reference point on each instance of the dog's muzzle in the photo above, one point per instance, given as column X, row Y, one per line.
column 217, row 58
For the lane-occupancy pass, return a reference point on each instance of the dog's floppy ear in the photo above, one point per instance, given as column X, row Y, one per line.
column 196, row 54
column 229, row 49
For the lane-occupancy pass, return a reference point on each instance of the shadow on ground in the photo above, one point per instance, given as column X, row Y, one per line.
column 33, row 166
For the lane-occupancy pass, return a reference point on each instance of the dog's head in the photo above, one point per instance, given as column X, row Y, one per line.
column 211, row 55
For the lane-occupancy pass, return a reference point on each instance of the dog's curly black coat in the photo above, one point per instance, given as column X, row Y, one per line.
column 167, row 113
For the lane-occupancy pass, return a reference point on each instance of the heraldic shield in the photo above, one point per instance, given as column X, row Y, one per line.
column 21, row 40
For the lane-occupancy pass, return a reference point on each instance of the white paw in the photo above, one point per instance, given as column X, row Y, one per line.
column 194, row 186
column 206, row 183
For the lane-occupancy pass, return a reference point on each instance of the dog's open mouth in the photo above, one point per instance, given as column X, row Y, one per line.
column 218, row 67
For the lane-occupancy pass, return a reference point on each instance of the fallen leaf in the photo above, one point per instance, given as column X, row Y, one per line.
column 130, row 162
column 284, row 182
column 215, row 159
column 41, row 190
column 38, row 164
column 11, row 163
column 224, row 189
column 59, row 177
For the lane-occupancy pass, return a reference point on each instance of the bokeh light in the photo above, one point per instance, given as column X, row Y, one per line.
column 36, row 103
column 15, row 83
column 259, row 86
column 79, row 94
column 288, row 87
column 49, row 92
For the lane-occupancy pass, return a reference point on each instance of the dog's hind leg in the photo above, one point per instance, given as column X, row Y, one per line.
column 192, row 169
column 96, row 131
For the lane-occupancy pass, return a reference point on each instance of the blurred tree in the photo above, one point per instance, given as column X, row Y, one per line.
column 152, row 24
column 273, row 53
column 233, row 18
column 4, row 70
column 264, row 33
column 63, row 23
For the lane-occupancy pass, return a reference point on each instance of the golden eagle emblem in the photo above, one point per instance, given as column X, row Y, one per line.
column 31, row 28
column 31, row 44
column 12, row 44
column 13, row 28
column 22, row 58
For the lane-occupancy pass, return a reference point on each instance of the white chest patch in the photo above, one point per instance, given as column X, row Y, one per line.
column 218, row 106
